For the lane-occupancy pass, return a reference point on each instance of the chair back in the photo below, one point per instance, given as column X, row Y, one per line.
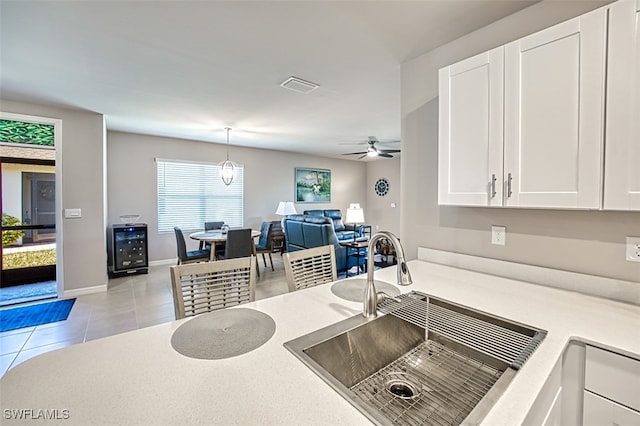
column 264, row 243
column 209, row 226
column 180, row 244
column 238, row 243
column 310, row 267
column 203, row 287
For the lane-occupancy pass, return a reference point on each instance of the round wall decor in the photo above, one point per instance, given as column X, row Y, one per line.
column 382, row 186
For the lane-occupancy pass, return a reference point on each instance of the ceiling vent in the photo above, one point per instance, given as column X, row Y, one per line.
column 298, row 85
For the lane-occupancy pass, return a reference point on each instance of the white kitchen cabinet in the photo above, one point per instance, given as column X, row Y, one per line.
column 529, row 134
column 559, row 402
column 471, row 129
column 547, row 408
column 622, row 159
column 611, row 385
column 554, row 115
column 613, row 376
column 599, row 411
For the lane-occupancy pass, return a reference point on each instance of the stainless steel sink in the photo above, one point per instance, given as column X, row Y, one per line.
column 428, row 361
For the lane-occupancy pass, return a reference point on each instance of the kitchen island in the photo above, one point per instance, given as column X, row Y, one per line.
column 138, row 378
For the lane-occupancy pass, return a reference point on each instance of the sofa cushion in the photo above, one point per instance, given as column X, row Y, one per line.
column 296, row 217
column 314, row 212
column 294, row 234
column 336, row 216
column 318, row 220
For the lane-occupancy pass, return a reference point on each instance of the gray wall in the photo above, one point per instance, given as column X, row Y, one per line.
column 80, row 174
column 589, row 242
column 380, row 213
column 269, row 178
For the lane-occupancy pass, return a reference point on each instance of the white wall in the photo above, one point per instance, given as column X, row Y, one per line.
column 79, row 177
column 268, row 177
column 380, row 212
column 589, row 242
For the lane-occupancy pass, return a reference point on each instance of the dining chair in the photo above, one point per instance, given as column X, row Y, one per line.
column 264, row 243
column 277, row 237
column 204, row 287
column 210, row 226
column 310, row 267
column 191, row 256
column 239, row 244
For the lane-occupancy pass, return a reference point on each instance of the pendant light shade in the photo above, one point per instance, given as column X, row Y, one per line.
column 228, row 167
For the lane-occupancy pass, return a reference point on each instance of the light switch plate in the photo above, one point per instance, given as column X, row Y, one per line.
column 72, row 213
column 633, row 249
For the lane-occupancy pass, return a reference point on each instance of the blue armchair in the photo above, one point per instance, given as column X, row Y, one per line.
column 343, row 232
column 308, row 231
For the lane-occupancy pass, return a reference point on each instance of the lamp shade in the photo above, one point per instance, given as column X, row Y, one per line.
column 355, row 214
column 286, row 208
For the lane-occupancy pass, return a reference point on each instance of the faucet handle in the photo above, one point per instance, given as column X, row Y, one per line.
column 382, row 296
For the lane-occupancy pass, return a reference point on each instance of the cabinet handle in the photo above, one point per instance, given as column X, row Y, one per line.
column 493, row 185
column 509, row 185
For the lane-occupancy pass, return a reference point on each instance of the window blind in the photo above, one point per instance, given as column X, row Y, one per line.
column 191, row 193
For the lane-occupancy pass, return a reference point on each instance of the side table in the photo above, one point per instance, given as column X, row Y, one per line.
column 360, row 249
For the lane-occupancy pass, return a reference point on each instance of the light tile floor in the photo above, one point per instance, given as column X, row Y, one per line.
column 131, row 302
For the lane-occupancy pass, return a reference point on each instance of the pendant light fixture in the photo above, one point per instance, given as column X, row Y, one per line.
column 228, row 167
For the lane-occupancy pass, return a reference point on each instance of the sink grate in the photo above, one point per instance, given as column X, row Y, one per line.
column 492, row 338
column 452, row 385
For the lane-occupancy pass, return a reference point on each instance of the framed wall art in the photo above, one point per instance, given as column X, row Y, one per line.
column 312, row 185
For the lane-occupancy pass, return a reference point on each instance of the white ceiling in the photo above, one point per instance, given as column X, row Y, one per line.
column 187, row 69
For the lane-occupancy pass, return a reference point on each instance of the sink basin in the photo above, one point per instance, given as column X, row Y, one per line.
column 426, row 361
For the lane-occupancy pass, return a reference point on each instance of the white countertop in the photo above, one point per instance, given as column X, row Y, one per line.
column 138, row 378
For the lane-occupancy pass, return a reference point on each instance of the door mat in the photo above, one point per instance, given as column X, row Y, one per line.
column 28, row 316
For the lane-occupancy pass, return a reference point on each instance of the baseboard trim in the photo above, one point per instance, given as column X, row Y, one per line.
column 608, row 288
column 161, row 262
column 67, row 294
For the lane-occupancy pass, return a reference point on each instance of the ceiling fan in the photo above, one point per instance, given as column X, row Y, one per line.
column 373, row 151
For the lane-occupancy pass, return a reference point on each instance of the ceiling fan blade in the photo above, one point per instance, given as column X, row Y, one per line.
column 384, row 154
column 362, row 156
column 353, row 153
column 388, row 151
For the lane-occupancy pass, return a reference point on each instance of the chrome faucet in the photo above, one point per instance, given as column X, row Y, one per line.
column 371, row 297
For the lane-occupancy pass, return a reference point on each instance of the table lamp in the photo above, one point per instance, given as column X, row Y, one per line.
column 286, row 208
column 355, row 215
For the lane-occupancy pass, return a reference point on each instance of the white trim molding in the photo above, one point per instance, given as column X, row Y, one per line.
column 67, row 294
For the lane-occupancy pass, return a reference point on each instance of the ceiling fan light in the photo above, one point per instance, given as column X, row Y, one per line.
column 372, row 153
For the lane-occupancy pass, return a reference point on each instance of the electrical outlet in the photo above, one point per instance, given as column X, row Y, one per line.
column 633, row 249
column 498, row 235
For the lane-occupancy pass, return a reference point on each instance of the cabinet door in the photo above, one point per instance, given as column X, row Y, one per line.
column 554, row 115
column 622, row 173
column 471, row 131
column 599, row 411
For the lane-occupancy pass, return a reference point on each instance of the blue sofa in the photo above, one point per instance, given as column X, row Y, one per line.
column 343, row 232
column 308, row 231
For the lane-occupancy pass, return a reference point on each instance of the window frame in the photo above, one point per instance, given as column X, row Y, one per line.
column 189, row 193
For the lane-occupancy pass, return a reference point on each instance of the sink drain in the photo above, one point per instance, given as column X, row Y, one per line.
column 402, row 385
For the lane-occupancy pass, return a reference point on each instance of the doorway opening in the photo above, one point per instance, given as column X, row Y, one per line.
column 27, row 170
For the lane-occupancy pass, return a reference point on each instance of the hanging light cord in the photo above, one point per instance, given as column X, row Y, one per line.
column 227, row 129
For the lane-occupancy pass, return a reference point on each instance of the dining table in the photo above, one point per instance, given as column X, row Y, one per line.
column 217, row 236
